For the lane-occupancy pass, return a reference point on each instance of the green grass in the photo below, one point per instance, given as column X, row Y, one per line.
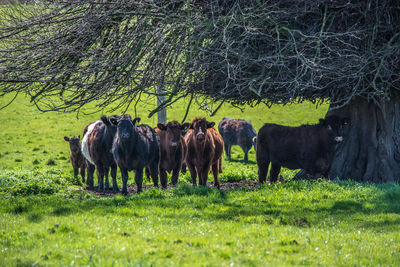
column 299, row 223
column 47, row 218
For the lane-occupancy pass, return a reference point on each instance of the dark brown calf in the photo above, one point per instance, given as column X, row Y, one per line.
column 307, row 147
column 76, row 157
column 173, row 150
column 205, row 147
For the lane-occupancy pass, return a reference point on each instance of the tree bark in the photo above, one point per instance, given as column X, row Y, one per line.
column 370, row 151
column 162, row 114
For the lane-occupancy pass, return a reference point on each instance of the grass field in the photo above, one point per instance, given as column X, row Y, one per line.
column 48, row 218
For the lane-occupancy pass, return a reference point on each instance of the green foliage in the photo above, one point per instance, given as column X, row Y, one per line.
column 23, row 182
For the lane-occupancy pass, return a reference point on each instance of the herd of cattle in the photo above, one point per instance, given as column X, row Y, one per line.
column 119, row 141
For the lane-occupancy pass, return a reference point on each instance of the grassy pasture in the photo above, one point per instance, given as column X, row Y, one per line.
column 47, row 218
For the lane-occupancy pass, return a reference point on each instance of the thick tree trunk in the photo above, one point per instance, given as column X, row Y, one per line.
column 370, row 151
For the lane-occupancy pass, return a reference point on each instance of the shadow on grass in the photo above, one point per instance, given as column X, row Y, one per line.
column 240, row 161
column 208, row 203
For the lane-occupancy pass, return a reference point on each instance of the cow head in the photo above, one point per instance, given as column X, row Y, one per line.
column 125, row 126
column 334, row 127
column 200, row 127
column 173, row 131
column 74, row 143
column 111, row 127
column 254, row 142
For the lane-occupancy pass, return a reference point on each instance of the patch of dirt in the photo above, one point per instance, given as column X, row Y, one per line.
column 132, row 189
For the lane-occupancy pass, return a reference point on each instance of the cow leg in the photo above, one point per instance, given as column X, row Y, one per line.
column 193, row 173
column 215, row 168
column 183, row 169
column 163, row 178
column 154, row 172
column 246, row 151
column 263, row 165
column 114, row 177
column 275, row 169
column 76, row 171
column 175, row 175
column 220, row 165
column 90, row 172
column 100, row 176
column 227, row 150
column 139, row 179
column 106, row 180
column 147, row 173
column 204, row 174
column 124, row 174
column 83, row 174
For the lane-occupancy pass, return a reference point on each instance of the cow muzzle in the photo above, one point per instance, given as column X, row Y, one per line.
column 200, row 137
column 125, row 137
column 174, row 144
column 338, row 139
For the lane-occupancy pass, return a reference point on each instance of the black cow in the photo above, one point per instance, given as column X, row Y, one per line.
column 134, row 148
column 96, row 147
column 237, row 132
column 308, row 147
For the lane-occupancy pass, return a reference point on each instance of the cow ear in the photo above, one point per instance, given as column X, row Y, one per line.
column 136, row 120
column 162, row 126
column 66, row 138
column 210, row 124
column 105, row 120
column 79, row 137
column 185, row 126
column 114, row 121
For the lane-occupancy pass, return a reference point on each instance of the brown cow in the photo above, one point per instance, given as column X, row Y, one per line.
column 205, row 147
column 307, row 147
column 173, row 150
column 76, row 157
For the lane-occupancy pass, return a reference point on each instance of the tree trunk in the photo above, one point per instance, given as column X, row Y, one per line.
column 162, row 114
column 370, row 151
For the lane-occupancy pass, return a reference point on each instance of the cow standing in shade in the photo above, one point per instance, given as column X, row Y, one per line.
column 308, row 147
column 237, row 132
column 76, row 157
column 96, row 147
column 134, row 148
column 205, row 147
column 173, row 150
